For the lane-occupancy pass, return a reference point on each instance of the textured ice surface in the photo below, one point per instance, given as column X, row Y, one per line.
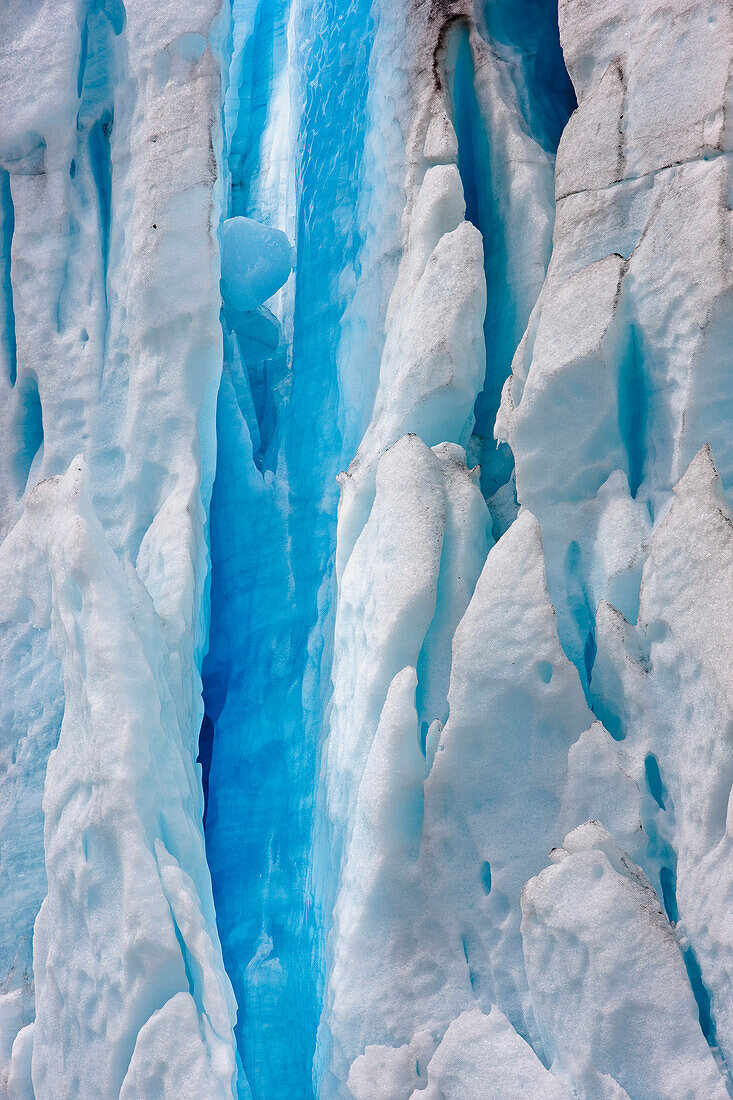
column 624, row 365
column 444, row 805
column 668, row 677
column 304, row 679
column 646, row 1038
column 111, row 348
column 125, row 967
column 481, row 1052
column 432, row 913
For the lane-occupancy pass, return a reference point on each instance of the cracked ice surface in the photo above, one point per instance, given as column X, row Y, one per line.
column 274, row 278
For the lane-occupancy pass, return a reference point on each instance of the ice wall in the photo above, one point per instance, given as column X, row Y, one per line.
column 111, row 352
column 625, row 357
column 365, row 561
column 464, row 739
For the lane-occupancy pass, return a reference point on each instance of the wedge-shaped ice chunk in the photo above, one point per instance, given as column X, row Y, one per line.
column 601, row 786
column 609, row 988
column 434, row 359
column 494, row 790
column 402, row 593
column 479, row 1056
column 668, row 682
column 153, row 1072
column 427, row 919
column 482, row 1056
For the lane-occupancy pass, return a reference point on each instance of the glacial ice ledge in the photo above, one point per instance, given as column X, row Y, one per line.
column 366, row 550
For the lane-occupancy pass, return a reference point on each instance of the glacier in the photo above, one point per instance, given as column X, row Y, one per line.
column 366, row 550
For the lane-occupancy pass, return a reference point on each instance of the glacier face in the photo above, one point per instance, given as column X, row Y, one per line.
column 366, row 560
column 110, row 183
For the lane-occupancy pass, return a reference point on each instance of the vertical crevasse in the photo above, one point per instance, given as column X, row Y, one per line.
column 340, row 133
column 296, row 126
